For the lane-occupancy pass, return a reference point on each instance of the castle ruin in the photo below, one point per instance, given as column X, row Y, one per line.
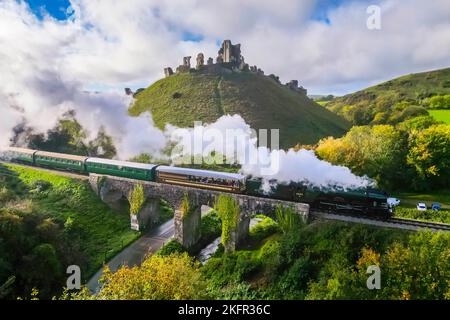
column 229, row 59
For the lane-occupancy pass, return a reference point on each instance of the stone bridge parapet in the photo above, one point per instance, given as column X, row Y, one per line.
column 112, row 189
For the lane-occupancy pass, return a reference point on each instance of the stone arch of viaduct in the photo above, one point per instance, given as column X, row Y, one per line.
column 187, row 231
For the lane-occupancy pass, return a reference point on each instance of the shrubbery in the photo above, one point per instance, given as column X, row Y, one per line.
column 438, row 102
column 171, row 247
column 415, row 153
column 210, row 227
column 48, row 222
column 263, row 229
column 172, row 277
column 442, row 216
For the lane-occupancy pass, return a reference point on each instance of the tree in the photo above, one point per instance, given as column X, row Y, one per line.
column 419, row 269
column 418, row 123
column 438, row 102
column 42, row 269
column 172, row 277
column 102, row 145
column 429, row 154
column 377, row 151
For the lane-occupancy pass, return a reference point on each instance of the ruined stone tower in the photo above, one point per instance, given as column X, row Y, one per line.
column 230, row 53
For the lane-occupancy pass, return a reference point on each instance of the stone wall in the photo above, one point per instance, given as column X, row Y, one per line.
column 187, row 229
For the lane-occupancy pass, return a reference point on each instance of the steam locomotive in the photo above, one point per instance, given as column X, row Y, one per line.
column 366, row 202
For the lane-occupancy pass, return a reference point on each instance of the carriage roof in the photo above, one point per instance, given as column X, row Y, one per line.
column 21, row 150
column 201, row 173
column 60, row 156
column 119, row 163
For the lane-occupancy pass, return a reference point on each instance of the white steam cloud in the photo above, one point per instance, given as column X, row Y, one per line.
column 37, row 89
column 233, row 138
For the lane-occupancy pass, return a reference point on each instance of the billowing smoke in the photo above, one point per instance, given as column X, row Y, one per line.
column 37, row 88
column 131, row 135
column 41, row 108
column 233, row 138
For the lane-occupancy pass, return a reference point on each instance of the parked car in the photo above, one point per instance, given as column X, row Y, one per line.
column 422, row 206
column 393, row 202
column 436, row 206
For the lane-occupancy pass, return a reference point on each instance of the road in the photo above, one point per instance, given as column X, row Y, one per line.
column 135, row 253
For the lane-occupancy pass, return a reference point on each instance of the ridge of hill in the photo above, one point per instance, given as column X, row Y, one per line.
column 394, row 100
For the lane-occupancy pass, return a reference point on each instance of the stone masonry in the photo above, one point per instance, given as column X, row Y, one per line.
column 229, row 59
column 187, row 231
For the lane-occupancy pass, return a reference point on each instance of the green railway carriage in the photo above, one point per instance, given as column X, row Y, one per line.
column 131, row 170
column 60, row 161
column 20, row 154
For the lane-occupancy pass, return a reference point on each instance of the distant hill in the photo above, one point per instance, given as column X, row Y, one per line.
column 393, row 100
column 183, row 98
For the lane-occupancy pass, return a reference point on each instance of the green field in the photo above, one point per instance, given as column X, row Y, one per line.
column 377, row 104
column 322, row 103
column 182, row 99
column 441, row 115
column 410, row 199
column 102, row 232
column 408, row 203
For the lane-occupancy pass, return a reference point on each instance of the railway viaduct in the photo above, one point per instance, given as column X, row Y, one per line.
column 112, row 190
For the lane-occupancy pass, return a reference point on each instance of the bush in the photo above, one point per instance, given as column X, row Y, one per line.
column 442, row 216
column 137, row 199
column 210, row 227
column 39, row 186
column 293, row 284
column 263, row 229
column 233, row 291
column 231, row 268
column 269, row 255
column 5, row 194
column 166, row 212
column 173, row 277
column 438, row 102
column 171, row 247
column 288, row 219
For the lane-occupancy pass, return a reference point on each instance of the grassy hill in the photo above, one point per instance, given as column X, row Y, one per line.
column 184, row 98
column 394, row 100
column 49, row 221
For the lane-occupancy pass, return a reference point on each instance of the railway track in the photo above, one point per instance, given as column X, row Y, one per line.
column 395, row 223
column 421, row 224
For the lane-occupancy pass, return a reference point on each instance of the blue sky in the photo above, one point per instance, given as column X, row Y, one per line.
column 58, row 9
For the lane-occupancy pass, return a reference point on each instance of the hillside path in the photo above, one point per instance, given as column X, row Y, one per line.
column 219, row 97
column 134, row 254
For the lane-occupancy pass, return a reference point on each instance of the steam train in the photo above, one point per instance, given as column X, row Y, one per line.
column 365, row 202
